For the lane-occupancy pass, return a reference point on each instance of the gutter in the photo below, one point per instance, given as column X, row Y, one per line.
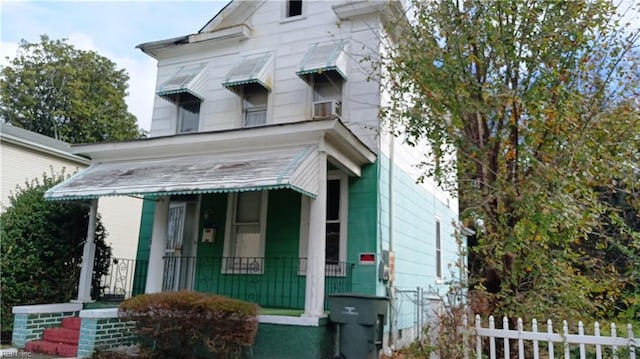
column 45, row 149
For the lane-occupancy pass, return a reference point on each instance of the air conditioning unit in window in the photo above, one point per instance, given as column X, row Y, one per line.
column 326, row 109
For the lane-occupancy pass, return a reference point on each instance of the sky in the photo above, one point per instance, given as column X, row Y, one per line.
column 113, row 29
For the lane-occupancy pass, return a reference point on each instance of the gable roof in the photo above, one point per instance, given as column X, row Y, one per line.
column 232, row 21
column 234, row 13
column 35, row 141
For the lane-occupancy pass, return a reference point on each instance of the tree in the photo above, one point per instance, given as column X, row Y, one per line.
column 72, row 95
column 528, row 109
column 41, row 248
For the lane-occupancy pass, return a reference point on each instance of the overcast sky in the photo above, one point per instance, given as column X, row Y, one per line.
column 113, row 29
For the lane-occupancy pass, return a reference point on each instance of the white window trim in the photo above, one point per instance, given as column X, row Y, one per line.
column 231, row 210
column 330, row 269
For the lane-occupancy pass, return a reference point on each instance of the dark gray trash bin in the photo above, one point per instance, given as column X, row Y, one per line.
column 361, row 318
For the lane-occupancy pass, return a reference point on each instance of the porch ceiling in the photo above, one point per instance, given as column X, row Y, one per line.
column 291, row 167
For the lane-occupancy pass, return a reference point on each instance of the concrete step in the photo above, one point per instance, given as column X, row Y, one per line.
column 59, row 349
column 61, row 335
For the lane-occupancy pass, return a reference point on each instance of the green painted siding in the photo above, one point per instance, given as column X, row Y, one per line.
column 362, row 232
column 294, row 342
column 144, row 243
column 279, row 285
column 146, row 229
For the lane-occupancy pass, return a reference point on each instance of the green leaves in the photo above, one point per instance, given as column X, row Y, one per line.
column 538, row 101
column 72, row 95
column 41, row 248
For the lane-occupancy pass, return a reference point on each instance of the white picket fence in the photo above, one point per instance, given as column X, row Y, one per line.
column 541, row 344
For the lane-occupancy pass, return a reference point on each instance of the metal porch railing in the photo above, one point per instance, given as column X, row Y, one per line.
column 270, row 282
column 125, row 278
column 273, row 282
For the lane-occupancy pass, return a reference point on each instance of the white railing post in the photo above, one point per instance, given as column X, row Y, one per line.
column 536, row 350
column 565, row 332
column 492, row 339
column 596, row 332
column 632, row 344
column 550, row 343
column 614, row 335
column 505, row 328
column 583, row 353
column 478, row 338
column 520, row 342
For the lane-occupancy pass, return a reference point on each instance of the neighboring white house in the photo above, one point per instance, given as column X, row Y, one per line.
column 26, row 155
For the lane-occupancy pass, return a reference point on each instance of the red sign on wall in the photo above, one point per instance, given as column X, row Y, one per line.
column 368, row 258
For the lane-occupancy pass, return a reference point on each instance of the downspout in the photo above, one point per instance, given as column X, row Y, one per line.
column 393, row 318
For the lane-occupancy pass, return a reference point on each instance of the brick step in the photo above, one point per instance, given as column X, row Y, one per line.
column 71, row 323
column 61, row 335
column 59, row 349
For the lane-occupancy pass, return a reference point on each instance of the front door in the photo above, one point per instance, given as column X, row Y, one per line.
column 179, row 262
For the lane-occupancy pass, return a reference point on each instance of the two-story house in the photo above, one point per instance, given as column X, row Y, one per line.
column 268, row 176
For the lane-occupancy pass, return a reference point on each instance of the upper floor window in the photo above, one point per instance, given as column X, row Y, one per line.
column 294, row 8
column 188, row 115
column 254, row 106
column 251, row 80
column 327, row 95
column 184, row 89
column 323, row 67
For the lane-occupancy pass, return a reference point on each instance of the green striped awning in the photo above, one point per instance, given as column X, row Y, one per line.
column 253, row 69
column 187, row 81
column 290, row 167
column 323, row 57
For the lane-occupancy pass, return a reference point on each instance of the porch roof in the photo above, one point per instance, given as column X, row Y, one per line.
column 252, row 170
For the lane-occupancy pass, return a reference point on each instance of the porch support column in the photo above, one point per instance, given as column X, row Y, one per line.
column 155, row 270
column 88, row 256
column 314, row 293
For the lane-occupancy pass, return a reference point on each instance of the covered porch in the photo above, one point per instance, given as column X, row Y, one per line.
column 246, row 213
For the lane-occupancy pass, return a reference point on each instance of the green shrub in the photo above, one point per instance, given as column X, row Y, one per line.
column 41, row 245
column 189, row 324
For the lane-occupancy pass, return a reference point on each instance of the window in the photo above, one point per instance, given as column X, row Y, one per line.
column 254, row 105
column 336, row 236
column 244, row 243
column 438, row 251
column 326, row 87
column 327, row 95
column 294, row 8
column 336, row 224
column 333, row 221
column 188, row 116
